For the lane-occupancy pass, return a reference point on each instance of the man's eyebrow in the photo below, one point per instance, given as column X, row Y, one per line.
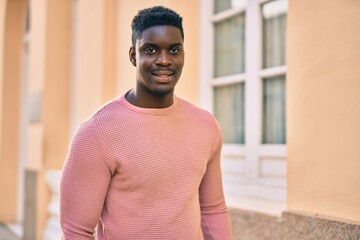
column 149, row 44
column 176, row 45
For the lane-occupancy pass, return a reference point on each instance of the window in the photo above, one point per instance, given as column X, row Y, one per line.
column 229, row 110
column 229, row 60
column 273, row 110
column 229, row 46
column 273, row 104
column 243, row 42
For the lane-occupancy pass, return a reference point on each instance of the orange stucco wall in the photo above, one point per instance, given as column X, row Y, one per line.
column 323, row 108
column 56, row 97
column 10, row 54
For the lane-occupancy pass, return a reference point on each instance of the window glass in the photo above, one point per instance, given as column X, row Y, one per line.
column 229, row 110
column 222, row 5
column 274, row 33
column 273, row 118
column 229, row 43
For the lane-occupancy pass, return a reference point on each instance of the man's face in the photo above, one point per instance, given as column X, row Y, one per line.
column 159, row 59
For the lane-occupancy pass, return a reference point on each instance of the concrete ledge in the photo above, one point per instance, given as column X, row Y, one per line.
column 249, row 225
column 299, row 226
column 255, row 226
column 6, row 234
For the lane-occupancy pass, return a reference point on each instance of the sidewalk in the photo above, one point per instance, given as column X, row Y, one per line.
column 6, row 234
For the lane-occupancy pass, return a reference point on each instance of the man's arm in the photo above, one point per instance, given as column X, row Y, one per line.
column 215, row 220
column 84, row 183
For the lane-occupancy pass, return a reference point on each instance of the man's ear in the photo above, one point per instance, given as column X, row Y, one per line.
column 132, row 56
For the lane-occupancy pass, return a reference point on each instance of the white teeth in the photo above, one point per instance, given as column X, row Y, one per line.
column 163, row 76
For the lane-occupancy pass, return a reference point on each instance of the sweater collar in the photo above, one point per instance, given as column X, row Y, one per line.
column 149, row 111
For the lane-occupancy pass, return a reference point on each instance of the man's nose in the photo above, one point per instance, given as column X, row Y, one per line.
column 163, row 59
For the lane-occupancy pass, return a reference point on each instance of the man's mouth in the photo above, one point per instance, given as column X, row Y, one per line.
column 163, row 75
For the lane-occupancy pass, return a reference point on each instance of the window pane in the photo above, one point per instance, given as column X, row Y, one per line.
column 222, row 5
column 229, row 110
column 229, row 52
column 273, row 119
column 274, row 33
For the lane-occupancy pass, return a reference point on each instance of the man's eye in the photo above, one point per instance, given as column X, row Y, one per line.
column 150, row 50
column 174, row 50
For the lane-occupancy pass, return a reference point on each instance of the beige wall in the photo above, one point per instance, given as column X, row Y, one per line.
column 36, row 80
column 11, row 21
column 88, row 68
column 110, row 49
column 49, row 73
column 94, row 57
column 56, row 97
column 35, row 131
column 188, row 85
column 3, row 4
column 323, row 108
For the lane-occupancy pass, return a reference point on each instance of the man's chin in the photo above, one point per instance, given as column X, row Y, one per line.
column 161, row 92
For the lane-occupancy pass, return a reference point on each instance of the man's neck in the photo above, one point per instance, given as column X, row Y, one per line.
column 149, row 100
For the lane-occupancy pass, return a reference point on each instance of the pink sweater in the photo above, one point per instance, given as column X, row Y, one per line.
column 140, row 173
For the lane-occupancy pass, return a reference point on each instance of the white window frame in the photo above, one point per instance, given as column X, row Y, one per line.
column 254, row 174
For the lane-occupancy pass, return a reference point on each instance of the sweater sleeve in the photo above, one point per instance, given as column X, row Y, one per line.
column 215, row 220
column 84, row 183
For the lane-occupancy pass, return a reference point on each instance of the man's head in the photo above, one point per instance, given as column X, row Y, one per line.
column 157, row 51
column 155, row 16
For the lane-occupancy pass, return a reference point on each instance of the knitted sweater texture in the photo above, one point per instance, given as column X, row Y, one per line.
column 144, row 173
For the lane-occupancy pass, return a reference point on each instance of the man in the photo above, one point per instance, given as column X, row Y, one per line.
column 147, row 165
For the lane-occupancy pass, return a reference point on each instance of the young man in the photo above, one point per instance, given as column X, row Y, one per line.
column 147, row 165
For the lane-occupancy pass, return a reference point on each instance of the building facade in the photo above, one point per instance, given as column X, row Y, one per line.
column 281, row 77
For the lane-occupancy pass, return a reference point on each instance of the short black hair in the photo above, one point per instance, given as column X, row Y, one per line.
column 154, row 16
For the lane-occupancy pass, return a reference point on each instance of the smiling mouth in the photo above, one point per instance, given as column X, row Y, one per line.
column 163, row 76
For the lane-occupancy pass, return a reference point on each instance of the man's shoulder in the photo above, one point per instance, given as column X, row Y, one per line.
column 192, row 107
column 196, row 112
column 105, row 112
column 201, row 121
column 108, row 108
